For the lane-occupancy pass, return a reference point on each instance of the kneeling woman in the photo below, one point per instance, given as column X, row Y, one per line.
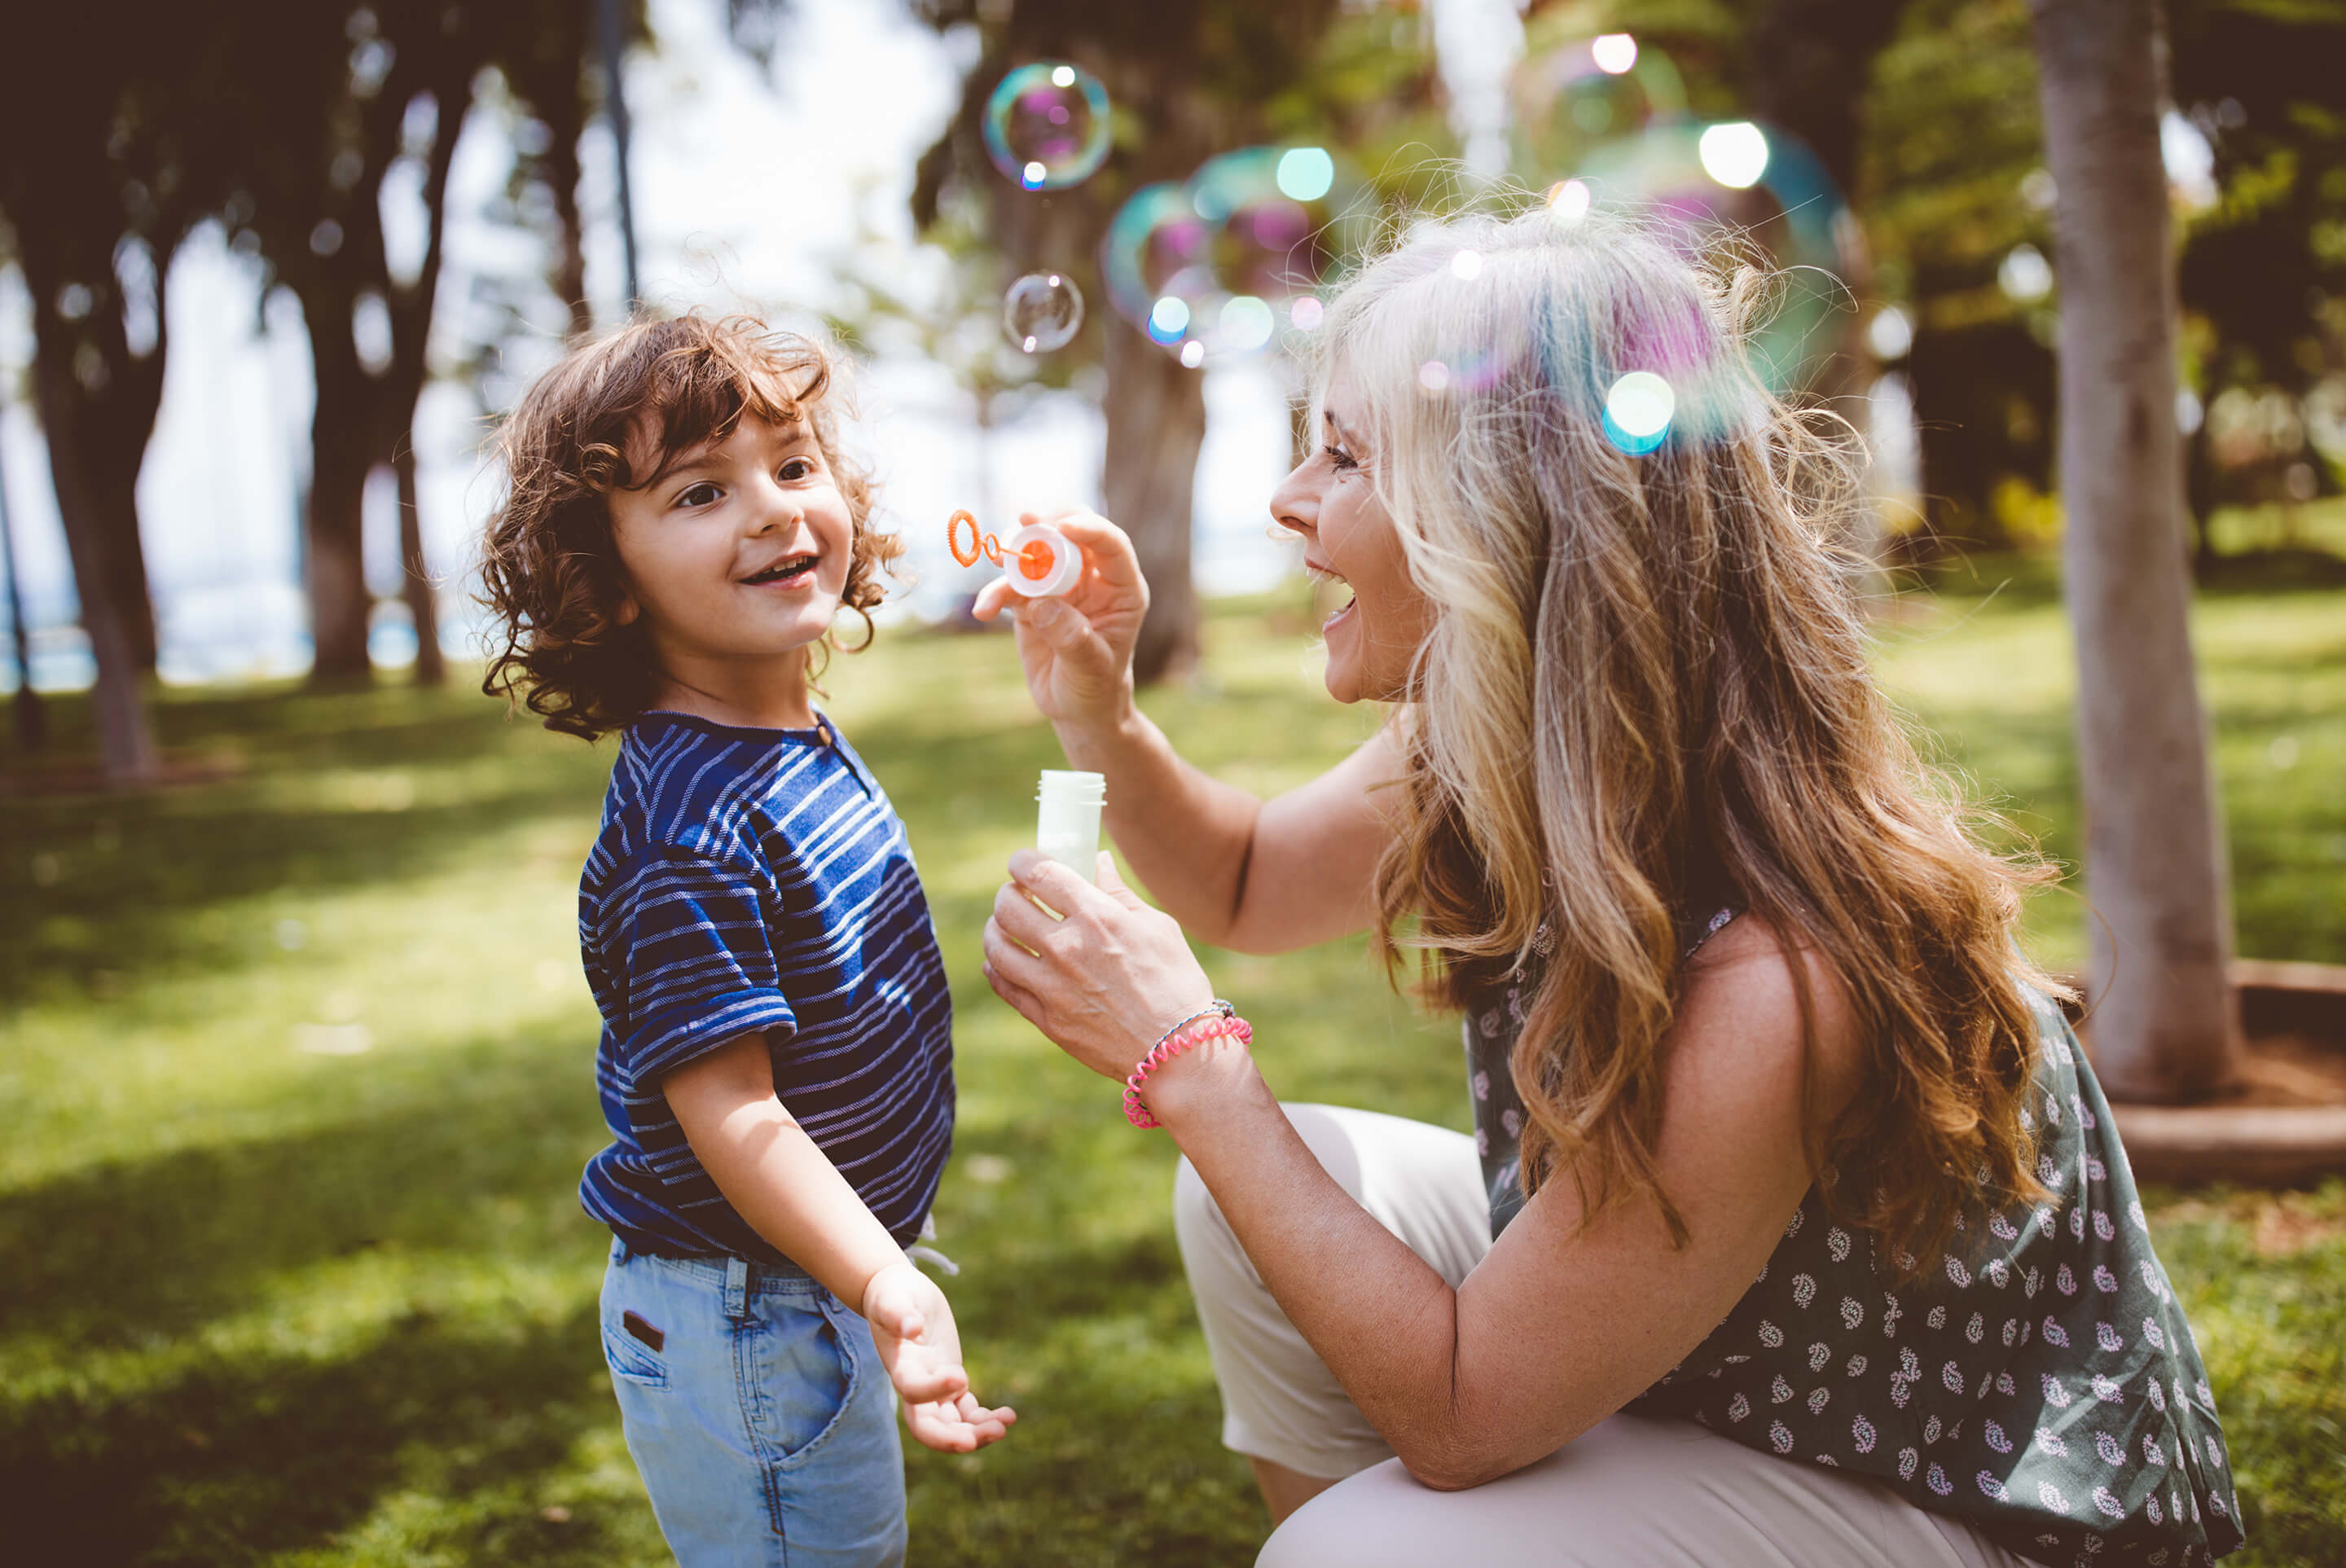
column 1794, row 1227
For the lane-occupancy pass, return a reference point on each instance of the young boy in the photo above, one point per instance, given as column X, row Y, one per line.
column 776, row 1064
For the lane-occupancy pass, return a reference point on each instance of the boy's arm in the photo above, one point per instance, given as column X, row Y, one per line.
column 787, row 1188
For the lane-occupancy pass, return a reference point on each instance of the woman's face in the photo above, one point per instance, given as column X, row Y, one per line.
column 1332, row 506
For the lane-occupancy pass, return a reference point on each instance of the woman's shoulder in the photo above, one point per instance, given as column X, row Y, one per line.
column 1747, row 983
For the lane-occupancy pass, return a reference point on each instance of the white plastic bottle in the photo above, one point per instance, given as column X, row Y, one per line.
column 1068, row 822
column 1038, row 561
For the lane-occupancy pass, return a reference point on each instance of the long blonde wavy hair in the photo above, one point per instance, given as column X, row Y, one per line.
column 1646, row 695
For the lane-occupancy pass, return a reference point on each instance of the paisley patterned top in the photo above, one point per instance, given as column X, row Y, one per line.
column 2041, row 1381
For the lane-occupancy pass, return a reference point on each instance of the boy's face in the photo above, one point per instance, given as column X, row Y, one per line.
column 739, row 552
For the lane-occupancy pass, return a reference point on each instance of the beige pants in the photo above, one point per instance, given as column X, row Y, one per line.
column 1633, row 1493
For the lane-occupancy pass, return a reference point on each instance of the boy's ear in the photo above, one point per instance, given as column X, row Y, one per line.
column 628, row 609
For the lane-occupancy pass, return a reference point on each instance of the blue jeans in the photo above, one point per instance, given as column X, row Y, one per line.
column 758, row 1412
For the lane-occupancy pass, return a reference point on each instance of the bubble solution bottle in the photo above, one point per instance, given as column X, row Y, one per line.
column 1067, row 819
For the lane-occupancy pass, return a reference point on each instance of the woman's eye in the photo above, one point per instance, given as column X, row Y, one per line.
column 699, row 495
column 1340, row 457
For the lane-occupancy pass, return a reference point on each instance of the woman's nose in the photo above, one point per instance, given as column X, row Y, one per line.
column 1295, row 504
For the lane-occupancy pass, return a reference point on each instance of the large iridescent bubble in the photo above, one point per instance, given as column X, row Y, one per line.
column 1226, row 263
column 1046, row 125
column 1579, row 94
column 1755, row 186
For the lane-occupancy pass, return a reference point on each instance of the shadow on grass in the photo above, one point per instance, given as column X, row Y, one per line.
column 238, row 1461
column 199, row 1230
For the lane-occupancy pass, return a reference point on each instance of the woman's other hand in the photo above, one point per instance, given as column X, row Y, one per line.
column 1104, row 977
column 1077, row 648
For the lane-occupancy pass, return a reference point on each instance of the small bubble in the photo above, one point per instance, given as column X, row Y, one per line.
column 2025, row 274
column 551, row 973
column 1305, row 173
column 1169, row 319
column 293, row 935
column 1735, row 154
column 1638, row 412
column 988, row 1170
column 1615, row 53
column 1245, row 323
column 2037, row 189
column 1568, row 201
column 1307, row 313
column 1433, row 376
column 1890, row 334
column 1467, row 264
column 2283, row 751
column 1041, row 312
column 1193, row 353
column 1046, row 125
column 46, row 870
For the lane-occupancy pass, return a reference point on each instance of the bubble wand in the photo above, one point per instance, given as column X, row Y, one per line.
column 1038, row 561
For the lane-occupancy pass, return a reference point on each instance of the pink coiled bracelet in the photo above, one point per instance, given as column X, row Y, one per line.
column 1220, row 1019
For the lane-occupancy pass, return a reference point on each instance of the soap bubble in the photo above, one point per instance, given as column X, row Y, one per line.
column 1734, row 154
column 1209, row 261
column 1169, row 319
column 1792, row 211
column 1193, row 353
column 1245, row 323
column 1638, row 412
column 1615, row 53
column 1046, row 125
column 1572, row 97
column 1041, row 312
column 1307, row 313
column 1305, row 173
column 1569, row 201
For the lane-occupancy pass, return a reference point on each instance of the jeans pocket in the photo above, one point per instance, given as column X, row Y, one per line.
column 630, row 1358
column 801, row 1370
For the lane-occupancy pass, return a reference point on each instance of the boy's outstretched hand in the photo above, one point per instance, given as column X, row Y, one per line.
column 914, row 1327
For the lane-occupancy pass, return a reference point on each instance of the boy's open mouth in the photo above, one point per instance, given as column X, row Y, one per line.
column 789, row 569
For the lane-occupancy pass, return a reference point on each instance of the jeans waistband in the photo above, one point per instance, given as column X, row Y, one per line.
column 733, row 1278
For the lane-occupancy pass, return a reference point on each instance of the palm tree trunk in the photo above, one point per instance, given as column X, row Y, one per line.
column 2165, row 1022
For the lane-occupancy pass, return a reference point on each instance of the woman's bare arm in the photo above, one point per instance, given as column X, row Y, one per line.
column 1237, row 871
column 1559, row 1327
column 1256, row 876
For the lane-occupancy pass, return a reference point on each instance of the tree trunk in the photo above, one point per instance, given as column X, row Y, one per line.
column 1156, row 423
column 570, row 242
column 125, row 743
column 342, row 455
column 2165, row 1022
column 416, row 584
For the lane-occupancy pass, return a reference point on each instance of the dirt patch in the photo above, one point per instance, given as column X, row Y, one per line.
column 2279, row 1225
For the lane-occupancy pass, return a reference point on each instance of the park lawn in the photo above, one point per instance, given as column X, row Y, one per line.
column 294, row 1088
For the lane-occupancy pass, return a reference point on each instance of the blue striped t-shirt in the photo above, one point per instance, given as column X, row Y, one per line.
column 758, row 879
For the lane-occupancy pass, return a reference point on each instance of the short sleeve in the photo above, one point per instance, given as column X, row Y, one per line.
column 691, row 950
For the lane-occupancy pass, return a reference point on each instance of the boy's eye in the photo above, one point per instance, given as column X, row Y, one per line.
column 798, row 468
column 700, row 495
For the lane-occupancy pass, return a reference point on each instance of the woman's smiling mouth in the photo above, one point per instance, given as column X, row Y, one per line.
column 1321, row 575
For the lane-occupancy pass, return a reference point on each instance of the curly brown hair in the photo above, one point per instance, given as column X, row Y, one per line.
column 549, row 568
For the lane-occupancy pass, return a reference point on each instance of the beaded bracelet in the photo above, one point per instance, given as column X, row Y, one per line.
column 1220, row 1019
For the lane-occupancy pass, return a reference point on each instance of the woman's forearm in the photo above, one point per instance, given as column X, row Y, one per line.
column 1187, row 837
column 1380, row 1318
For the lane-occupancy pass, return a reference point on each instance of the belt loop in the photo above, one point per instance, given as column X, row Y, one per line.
column 737, row 1288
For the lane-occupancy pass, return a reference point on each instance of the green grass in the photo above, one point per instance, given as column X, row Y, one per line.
column 267, row 1303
